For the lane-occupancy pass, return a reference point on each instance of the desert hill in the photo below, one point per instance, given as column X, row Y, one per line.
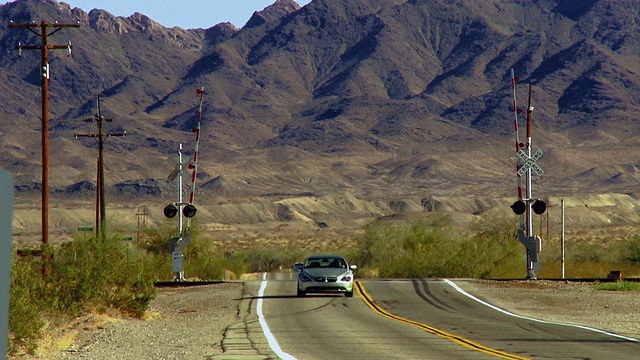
column 397, row 103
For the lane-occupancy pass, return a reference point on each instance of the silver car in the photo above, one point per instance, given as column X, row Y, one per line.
column 325, row 274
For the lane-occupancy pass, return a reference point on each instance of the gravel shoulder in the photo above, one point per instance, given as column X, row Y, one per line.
column 181, row 323
column 189, row 322
column 575, row 303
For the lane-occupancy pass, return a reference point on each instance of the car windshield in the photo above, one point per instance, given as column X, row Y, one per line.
column 325, row 263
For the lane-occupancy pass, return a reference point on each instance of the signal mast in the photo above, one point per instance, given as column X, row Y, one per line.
column 526, row 163
column 177, row 244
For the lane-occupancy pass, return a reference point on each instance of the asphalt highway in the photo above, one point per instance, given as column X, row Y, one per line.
column 407, row 319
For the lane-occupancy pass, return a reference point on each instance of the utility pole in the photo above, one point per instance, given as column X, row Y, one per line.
column 562, row 235
column 142, row 215
column 44, row 48
column 545, row 217
column 100, row 206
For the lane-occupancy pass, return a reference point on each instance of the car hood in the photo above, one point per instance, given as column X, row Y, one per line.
column 315, row 272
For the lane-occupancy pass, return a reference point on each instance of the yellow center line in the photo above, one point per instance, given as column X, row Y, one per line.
column 455, row 338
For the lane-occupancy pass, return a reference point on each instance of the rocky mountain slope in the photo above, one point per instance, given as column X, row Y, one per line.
column 380, row 99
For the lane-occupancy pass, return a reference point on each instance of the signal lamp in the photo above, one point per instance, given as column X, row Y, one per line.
column 518, row 207
column 539, row 207
column 189, row 211
column 170, row 211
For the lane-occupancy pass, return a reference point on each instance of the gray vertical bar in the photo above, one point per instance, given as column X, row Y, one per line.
column 6, row 238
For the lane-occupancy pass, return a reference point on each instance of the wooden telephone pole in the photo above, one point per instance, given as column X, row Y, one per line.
column 44, row 48
column 100, row 204
column 142, row 215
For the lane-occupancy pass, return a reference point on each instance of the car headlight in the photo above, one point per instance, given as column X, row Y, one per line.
column 304, row 277
column 346, row 277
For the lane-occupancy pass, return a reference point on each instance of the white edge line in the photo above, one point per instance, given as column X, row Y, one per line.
column 533, row 319
column 273, row 343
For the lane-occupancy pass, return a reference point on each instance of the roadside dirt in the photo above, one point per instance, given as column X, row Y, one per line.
column 189, row 323
column 562, row 301
column 181, row 323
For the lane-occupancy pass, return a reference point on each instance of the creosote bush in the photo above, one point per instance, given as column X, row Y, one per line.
column 98, row 275
column 618, row 286
column 593, row 260
column 433, row 248
column 86, row 276
column 25, row 319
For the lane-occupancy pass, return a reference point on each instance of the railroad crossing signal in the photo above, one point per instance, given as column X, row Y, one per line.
column 519, row 207
column 538, row 207
column 530, row 163
column 533, row 244
column 170, row 211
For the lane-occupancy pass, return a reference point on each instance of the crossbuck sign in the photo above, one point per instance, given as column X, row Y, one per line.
column 530, row 163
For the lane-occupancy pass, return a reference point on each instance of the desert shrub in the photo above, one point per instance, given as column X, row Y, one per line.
column 100, row 274
column 420, row 248
column 237, row 262
column 262, row 258
column 377, row 245
column 490, row 251
column 590, row 253
column 202, row 261
column 88, row 275
column 592, row 260
column 433, row 248
column 155, row 240
column 630, row 251
column 25, row 318
column 618, row 286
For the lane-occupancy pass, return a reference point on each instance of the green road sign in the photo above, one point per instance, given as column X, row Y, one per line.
column 127, row 238
column 85, row 229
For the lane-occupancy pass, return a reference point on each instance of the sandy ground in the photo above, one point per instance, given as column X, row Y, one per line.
column 181, row 323
column 189, row 323
column 566, row 302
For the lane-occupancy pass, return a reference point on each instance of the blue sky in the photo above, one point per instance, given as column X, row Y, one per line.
column 187, row 14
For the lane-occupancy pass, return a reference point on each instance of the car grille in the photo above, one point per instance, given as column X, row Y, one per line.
column 325, row 279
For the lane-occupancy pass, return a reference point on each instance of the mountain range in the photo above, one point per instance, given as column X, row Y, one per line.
column 381, row 99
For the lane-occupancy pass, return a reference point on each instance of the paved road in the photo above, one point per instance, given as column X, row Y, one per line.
column 414, row 319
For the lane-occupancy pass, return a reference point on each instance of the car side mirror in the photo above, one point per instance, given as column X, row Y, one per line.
column 353, row 267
